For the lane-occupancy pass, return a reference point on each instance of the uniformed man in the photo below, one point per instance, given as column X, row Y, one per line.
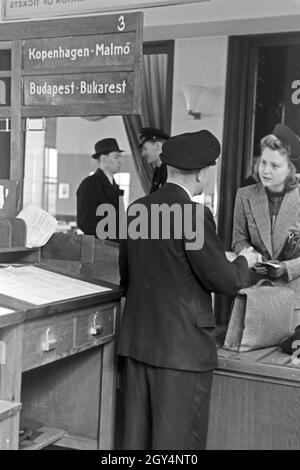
column 166, row 340
column 99, row 188
column 151, row 141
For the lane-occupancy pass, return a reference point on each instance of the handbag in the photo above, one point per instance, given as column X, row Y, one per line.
column 292, row 343
column 291, row 248
column 261, row 316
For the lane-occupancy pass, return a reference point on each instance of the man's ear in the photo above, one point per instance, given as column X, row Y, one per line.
column 201, row 174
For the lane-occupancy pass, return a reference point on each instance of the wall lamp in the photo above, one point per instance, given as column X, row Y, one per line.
column 192, row 95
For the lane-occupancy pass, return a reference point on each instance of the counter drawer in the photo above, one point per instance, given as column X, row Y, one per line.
column 97, row 325
column 45, row 342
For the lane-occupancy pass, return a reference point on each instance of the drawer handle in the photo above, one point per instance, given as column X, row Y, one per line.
column 96, row 329
column 50, row 342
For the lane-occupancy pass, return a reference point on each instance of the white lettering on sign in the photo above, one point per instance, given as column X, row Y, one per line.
column 83, row 88
column 60, row 52
column 102, row 49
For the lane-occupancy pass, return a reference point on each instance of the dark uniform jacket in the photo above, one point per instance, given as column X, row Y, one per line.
column 159, row 177
column 92, row 191
column 168, row 319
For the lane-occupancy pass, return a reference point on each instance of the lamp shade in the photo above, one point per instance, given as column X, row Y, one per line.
column 192, row 94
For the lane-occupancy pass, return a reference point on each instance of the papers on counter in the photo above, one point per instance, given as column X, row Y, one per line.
column 38, row 286
column 40, row 225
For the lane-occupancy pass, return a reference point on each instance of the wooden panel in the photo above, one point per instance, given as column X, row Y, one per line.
column 101, row 319
column 66, row 394
column 253, row 415
column 73, row 442
column 79, row 52
column 16, row 148
column 10, row 382
column 8, row 408
column 108, row 398
column 65, row 27
column 48, row 436
column 5, row 233
column 86, row 109
column 19, row 255
column 37, row 335
column 266, row 362
column 10, row 193
column 9, row 429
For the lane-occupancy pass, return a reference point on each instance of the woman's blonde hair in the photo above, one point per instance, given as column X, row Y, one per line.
column 272, row 142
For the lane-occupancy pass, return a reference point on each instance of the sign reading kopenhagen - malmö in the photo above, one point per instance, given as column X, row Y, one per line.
column 102, row 68
column 79, row 51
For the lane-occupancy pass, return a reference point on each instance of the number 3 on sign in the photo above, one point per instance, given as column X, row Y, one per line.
column 121, row 25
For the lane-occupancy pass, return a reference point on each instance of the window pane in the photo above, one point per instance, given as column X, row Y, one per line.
column 58, row 157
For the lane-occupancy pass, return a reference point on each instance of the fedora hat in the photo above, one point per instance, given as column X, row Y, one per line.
column 105, row 146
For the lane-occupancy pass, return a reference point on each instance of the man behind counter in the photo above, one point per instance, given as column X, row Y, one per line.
column 99, row 188
column 151, row 141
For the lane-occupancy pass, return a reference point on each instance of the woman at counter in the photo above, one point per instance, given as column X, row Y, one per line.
column 266, row 213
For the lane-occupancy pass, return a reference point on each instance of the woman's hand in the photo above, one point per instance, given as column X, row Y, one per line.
column 276, row 273
column 261, row 270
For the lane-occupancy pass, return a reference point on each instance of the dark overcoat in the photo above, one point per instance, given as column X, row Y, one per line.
column 94, row 190
column 159, row 177
column 168, row 319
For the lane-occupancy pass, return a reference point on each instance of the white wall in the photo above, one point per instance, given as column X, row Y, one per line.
column 201, row 61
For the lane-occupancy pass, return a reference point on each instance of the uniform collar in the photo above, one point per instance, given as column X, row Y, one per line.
column 183, row 187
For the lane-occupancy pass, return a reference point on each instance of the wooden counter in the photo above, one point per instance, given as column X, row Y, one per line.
column 255, row 401
column 59, row 364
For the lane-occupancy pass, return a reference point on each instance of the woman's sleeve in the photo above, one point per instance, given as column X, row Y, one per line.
column 240, row 234
column 292, row 268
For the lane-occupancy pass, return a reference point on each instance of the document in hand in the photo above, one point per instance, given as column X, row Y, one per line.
column 40, row 225
column 270, row 263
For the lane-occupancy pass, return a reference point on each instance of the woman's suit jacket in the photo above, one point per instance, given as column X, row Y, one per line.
column 252, row 227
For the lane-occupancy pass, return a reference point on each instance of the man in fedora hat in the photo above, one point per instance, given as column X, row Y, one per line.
column 151, row 141
column 166, row 340
column 99, row 188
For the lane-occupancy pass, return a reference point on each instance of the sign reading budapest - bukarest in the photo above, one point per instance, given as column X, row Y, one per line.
column 78, row 89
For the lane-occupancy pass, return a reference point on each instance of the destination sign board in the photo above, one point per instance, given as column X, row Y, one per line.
column 79, row 51
column 65, row 89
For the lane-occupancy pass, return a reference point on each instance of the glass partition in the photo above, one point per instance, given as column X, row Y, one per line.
column 58, row 157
